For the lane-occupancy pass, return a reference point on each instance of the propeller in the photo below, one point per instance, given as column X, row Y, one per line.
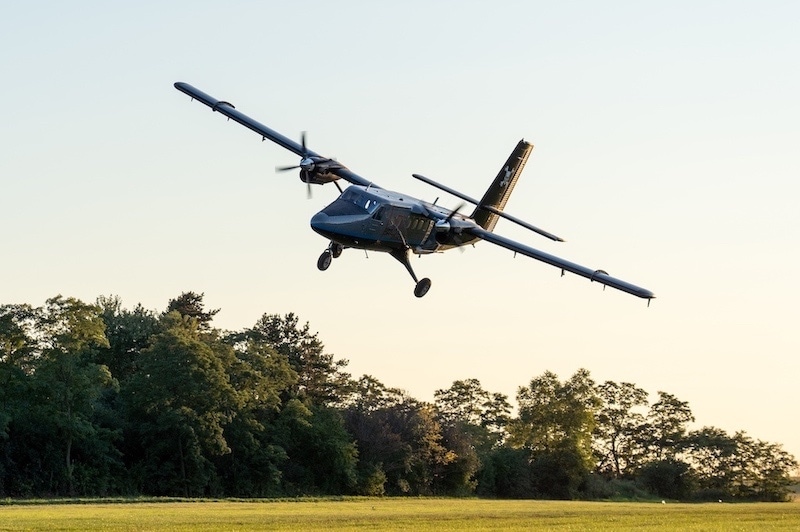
column 308, row 164
column 454, row 212
column 445, row 224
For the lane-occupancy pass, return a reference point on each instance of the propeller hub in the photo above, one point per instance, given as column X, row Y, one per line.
column 307, row 164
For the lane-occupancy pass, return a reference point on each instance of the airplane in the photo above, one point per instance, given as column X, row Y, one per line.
column 366, row 216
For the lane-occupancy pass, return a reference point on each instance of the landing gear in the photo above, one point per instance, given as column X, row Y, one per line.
column 422, row 287
column 334, row 251
column 324, row 261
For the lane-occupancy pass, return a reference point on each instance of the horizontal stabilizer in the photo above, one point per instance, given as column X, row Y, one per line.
column 493, row 210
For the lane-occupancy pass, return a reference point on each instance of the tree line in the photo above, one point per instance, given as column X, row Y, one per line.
column 99, row 400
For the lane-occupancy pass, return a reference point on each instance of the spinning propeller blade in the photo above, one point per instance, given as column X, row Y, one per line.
column 305, row 165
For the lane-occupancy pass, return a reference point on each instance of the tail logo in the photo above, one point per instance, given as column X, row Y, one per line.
column 507, row 179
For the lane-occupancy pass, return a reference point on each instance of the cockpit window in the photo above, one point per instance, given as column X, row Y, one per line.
column 355, row 197
column 350, row 195
column 371, row 205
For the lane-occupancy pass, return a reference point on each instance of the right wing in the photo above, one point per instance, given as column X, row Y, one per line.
column 593, row 275
column 230, row 111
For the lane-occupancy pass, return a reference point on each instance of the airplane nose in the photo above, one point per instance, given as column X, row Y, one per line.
column 320, row 223
column 318, row 219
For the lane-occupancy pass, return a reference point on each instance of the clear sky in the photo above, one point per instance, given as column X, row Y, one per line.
column 666, row 153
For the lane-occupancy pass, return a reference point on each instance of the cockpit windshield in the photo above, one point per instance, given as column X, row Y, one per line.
column 357, row 197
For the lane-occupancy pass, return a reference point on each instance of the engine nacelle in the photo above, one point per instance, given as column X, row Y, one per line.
column 317, row 178
column 447, row 233
column 317, row 171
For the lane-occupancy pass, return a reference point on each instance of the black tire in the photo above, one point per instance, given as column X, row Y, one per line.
column 324, row 261
column 422, row 287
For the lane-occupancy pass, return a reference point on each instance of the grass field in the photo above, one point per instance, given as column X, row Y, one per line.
column 399, row 514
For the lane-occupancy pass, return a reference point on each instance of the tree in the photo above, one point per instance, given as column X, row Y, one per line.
column 738, row 466
column 554, row 414
column 619, row 427
column 467, row 403
column 368, row 394
column 259, row 377
column 669, row 478
column 322, row 455
column 555, row 425
column 712, row 454
column 18, row 352
column 321, row 379
column 400, row 442
column 665, row 429
column 473, row 425
column 19, row 345
column 506, row 473
column 383, row 455
column 67, row 381
column 129, row 332
column 768, row 469
column 190, row 304
column 179, row 400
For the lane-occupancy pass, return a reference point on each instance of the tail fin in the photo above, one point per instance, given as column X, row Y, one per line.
column 502, row 186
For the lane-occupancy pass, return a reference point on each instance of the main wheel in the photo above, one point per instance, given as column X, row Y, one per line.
column 336, row 249
column 422, row 287
column 324, row 260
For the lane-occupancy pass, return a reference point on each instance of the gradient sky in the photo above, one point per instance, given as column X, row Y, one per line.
column 666, row 153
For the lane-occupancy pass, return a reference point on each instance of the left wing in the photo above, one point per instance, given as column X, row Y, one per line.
column 230, row 111
column 593, row 275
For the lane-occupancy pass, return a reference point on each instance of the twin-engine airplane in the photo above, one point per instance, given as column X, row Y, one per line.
column 366, row 216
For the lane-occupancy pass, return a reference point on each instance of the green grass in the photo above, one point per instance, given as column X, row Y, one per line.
column 398, row 514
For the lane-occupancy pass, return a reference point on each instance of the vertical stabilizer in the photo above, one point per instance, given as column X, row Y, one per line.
column 502, row 186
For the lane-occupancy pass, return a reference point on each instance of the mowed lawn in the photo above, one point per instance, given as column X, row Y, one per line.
column 399, row 514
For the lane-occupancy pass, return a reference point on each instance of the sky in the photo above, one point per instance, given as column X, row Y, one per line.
column 665, row 153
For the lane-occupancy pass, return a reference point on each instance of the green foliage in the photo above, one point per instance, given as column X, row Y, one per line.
column 555, row 425
column 506, row 473
column 180, row 399
column 664, row 432
column 190, row 305
column 101, row 400
column 599, row 487
column 402, row 439
column 619, row 427
column 320, row 378
column 668, row 478
column 128, row 332
column 738, row 467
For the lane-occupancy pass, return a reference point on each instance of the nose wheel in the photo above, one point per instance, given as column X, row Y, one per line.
column 324, row 260
column 334, row 251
